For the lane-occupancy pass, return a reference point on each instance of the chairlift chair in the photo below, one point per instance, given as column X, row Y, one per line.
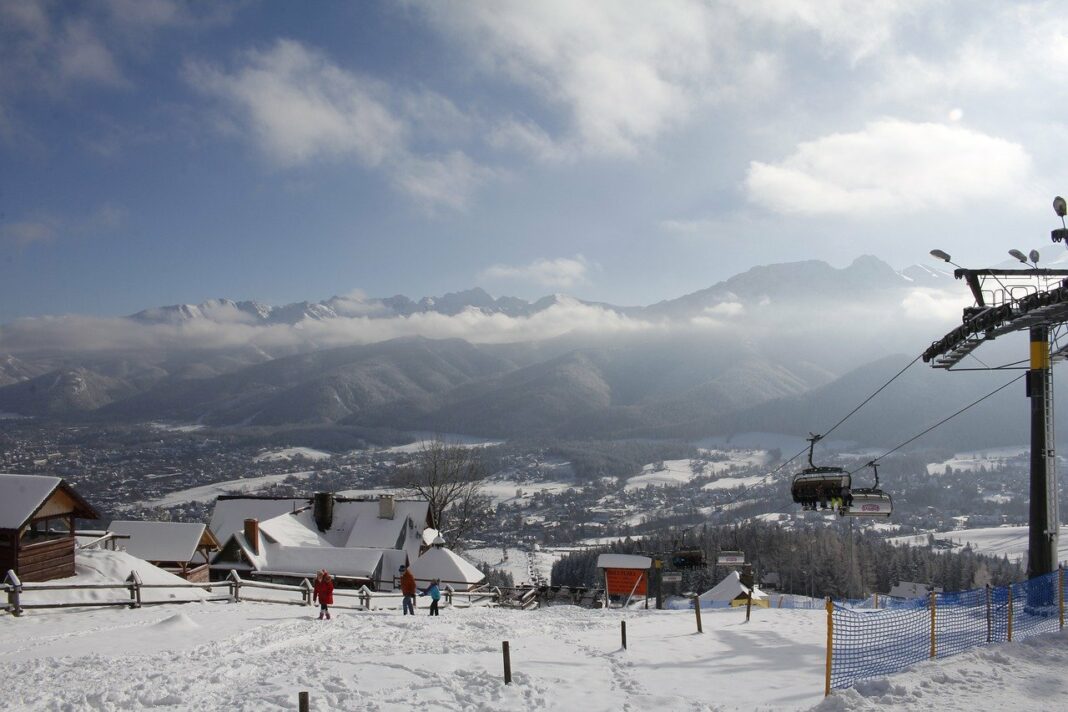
column 869, row 501
column 820, row 487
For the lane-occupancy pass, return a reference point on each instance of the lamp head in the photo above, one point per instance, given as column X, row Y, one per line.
column 1019, row 255
column 1034, row 256
column 1060, row 206
column 939, row 254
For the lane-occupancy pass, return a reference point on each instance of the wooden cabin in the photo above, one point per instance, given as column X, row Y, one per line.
column 37, row 516
column 182, row 548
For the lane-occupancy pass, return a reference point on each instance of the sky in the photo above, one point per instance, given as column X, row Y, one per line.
column 156, row 152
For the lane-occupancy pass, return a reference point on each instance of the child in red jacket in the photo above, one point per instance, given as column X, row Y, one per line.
column 324, row 593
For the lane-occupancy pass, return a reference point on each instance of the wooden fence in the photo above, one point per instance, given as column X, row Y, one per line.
column 236, row 589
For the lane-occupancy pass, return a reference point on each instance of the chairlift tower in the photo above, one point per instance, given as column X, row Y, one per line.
column 1007, row 301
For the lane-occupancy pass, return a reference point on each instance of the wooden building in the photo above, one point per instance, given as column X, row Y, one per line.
column 182, row 548
column 37, row 516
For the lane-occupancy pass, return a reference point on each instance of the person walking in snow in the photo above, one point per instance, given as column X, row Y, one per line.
column 435, row 595
column 409, row 589
column 324, row 593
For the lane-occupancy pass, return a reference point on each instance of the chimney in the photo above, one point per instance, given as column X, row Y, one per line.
column 324, row 510
column 386, row 507
column 252, row 535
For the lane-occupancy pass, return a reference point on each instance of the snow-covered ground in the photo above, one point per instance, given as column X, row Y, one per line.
column 992, row 541
column 292, row 452
column 672, row 473
column 257, row 656
column 208, row 493
column 450, row 439
column 972, row 461
column 525, row 565
column 513, row 492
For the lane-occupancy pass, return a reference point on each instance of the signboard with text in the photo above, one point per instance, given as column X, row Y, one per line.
column 623, row 582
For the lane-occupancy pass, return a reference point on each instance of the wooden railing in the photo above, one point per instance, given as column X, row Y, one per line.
column 236, row 588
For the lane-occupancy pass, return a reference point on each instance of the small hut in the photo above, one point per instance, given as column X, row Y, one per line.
column 37, row 516
column 182, row 548
column 732, row 592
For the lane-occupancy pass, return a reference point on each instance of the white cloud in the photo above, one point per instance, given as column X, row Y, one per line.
column 301, row 107
column 28, row 232
column 892, row 166
column 447, row 181
column 625, row 72
column 563, row 272
column 860, row 29
column 46, row 228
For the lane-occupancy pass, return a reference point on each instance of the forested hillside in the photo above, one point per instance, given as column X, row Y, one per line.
column 820, row 561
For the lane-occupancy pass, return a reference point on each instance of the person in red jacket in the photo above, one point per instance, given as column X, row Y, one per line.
column 408, row 588
column 324, row 593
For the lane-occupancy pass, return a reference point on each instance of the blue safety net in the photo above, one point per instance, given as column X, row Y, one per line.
column 903, row 632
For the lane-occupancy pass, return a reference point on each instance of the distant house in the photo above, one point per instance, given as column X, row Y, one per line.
column 360, row 541
column 182, row 548
column 732, row 592
column 37, row 516
column 447, row 567
column 906, row 589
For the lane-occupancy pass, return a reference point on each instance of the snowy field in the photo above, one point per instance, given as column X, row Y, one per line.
column 208, row 493
column 290, row 453
column 990, row 459
column 524, row 565
column 672, row 473
column 258, row 656
column 992, row 541
column 513, row 492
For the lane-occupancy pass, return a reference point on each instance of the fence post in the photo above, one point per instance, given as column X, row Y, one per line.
column 365, row 597
column 1060, row 593
column 507, row 664
column 830, row 646
column 934, row 641
column 989, row 615
column 135, row 589
column 14, row 592
column 1010, row 612
column 306, row 593
column 876, row 599
column 235, row 585
column 623, row 633
column 697, row 612
column 302, row 702
column 448, row 594
column 748, row 604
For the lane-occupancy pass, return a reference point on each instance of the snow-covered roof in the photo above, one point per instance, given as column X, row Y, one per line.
column 230, row 513
column 729, row 589
column 623, row 561
column 21, row 496
column 358, row 563
column 449, row 567
column 160, row 541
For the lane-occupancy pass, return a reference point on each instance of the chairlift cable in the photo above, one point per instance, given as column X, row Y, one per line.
column 869, row 398
column 941, row 422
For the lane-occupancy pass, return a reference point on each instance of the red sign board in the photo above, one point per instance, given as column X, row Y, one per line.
column 622, row 581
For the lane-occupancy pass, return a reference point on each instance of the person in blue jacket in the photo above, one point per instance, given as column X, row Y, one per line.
column 435, row 595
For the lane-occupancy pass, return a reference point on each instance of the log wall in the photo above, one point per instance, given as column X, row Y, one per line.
column 46, row 560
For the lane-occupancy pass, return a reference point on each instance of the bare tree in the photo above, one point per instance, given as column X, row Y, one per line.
column 450, row 478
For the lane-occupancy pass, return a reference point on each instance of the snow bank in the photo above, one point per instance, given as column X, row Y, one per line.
column 98, row 566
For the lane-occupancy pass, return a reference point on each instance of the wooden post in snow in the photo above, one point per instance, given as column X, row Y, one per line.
column 507, row 663
column 302, row 701
column 697, row 612
column 623, row 633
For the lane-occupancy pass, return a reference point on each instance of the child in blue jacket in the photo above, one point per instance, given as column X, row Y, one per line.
column 435, row 595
